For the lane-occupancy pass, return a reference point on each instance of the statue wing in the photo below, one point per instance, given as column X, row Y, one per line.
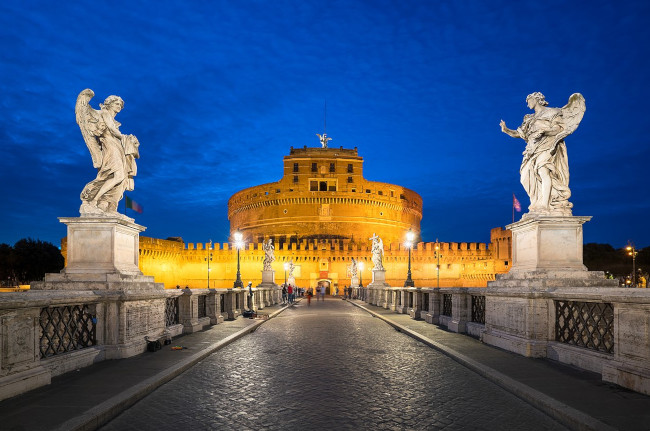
column 572, row 114
column 91, row 125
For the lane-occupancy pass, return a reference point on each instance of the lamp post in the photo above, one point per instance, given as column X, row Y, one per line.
column 238, row 243
column 631, row 250
column 438, row 257
column 360, row 265
column 208, row 259
column 410, row 236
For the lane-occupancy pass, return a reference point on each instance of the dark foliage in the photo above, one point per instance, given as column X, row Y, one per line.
column 28, row 260
column 604, row 257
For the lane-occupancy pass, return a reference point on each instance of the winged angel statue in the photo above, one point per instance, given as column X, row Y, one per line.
column 545, row 168
column 113, row 154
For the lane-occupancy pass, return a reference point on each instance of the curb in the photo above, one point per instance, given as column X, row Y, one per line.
column 565, row 414
column 101, row 414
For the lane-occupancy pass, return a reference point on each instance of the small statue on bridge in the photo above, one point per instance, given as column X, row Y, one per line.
column 268, row 254
column 353, row 269
column 377, row 252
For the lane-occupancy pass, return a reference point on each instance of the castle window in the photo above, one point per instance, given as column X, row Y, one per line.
column 332, row 187
column 367, row 190
column 380, row 193
column 392, row 193
column 266, row 193
column 401, row 196
column 295, row 167
column 506, row 262
column 314, row 167
column 313, row 186
column 350, row 168
column 295, row 178
column 354, row 190
column 323, row 186
column 332, row 167
column 277, row 190
column 349, row 179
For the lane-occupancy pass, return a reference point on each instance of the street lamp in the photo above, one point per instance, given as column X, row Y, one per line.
column 286, row 267
column 208, row 259
column 360, row 274
column 238, row 243
column 631, row 250
column 438, row 257
column 410, row 236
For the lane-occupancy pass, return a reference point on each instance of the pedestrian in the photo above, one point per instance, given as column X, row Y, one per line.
column 290, row 292
column 322, row 293
column 284, row 294
column 337, row 291
column 309, row 295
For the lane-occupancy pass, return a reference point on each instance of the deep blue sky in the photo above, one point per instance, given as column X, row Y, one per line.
column 218, row 91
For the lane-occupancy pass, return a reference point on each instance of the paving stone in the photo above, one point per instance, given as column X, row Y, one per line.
column 330, row 366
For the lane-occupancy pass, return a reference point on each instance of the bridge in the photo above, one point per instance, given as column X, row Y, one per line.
column 333, row 364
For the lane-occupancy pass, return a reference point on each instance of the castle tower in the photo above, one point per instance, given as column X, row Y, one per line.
column 323, row 195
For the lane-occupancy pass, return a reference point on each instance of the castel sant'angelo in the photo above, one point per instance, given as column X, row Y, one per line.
column 320, row 215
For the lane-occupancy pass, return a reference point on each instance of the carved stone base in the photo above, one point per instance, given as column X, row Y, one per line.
column 102, row 245
column 379, row 278
column 547, row 243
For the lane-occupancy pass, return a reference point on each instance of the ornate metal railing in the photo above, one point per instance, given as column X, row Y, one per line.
column 67, row 328
column 478, row 309
column 585, row 324
column 171, row 311
column 202, row 304
column 425, row 302
column 446, row 304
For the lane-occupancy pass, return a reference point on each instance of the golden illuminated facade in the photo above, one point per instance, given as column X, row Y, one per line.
column 323, row 195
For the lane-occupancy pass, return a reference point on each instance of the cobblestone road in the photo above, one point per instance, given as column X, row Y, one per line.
column 330, row 366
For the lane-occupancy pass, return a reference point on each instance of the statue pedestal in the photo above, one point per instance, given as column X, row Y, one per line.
column 268, row 279
column 378, row 278
column 102, row 245
column 354, row 282
column 547, row 257
column 547, row 243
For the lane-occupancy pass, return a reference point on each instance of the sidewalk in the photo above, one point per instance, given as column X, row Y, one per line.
column 579, row 399
column 89, row 397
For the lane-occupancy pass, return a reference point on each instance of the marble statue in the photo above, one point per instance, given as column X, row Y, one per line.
column 113, row 154
column 353, row 269
column 377, row 252
column 268, row 254
column 323, row 139
column 545, row 169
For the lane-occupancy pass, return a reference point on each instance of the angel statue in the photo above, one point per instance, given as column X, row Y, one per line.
column 323, row 139
column 545, row 168
column 353, row 269
column 292, row 267
column 113, row 154
column 377, row 252
column 268, row 254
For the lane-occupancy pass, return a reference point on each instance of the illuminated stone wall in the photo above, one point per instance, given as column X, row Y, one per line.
column 461, row 264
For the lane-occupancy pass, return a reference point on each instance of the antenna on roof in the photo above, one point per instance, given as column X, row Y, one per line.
column 323, row 138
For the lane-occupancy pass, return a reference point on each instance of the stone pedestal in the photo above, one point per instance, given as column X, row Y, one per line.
column 354, row 282
column 547, row 243
column 547, row 255
column 102, row 245
column 379, row 278
column 268, row 279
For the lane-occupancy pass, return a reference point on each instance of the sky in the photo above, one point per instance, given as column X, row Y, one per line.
column 217, row 92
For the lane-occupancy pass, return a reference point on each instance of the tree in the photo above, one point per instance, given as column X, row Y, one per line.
column 6, row 265
column 32, row 259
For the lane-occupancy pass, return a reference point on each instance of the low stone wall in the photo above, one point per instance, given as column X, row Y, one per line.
column 45, row 333
column 600, row 329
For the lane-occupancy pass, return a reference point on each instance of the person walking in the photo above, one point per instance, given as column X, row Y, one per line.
column 284, row 294
column 337, row 291
column 290, row 292
column 310, row 293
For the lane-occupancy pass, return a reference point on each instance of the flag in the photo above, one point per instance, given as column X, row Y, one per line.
column 515, row 203
column 130, row 203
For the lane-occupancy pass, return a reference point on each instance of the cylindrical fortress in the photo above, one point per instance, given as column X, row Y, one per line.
column 323, row 195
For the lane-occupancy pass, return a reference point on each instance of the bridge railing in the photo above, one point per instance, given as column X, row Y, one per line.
column 601, row 329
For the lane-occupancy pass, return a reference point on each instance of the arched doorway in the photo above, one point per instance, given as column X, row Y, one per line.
column 327, row 284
